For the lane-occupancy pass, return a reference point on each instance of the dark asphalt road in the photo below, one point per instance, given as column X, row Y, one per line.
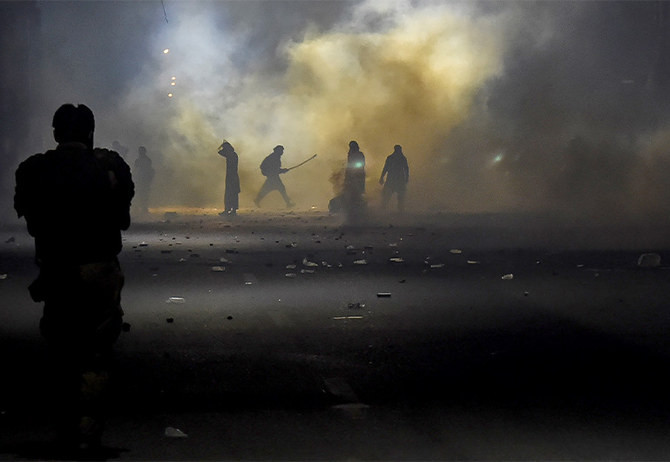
column 296, row 338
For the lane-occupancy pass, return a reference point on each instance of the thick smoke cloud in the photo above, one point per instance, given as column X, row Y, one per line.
column 384, row 73
column 556, row 106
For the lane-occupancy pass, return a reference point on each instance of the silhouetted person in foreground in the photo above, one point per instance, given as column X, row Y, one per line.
column 143, row 173
column 271, row 169
column 76, row 200
column 231, row 196
column 396, row 171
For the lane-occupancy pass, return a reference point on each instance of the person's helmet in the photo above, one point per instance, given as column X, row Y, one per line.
column 353, row 146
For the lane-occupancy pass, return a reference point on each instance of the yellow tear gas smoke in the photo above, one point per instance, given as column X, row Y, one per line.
column 407, row 84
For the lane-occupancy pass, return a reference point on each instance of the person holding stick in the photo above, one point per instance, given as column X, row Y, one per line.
column 271, row 168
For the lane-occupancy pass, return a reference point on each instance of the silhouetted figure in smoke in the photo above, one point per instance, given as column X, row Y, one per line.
column 143, row 173
column 354, row 182
column 231, row 196
column 396, row 171
column 76, row 200
column 354, row 175
column 271, row 169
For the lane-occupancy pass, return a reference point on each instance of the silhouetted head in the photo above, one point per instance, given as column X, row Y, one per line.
column 142, row 150
column 353, row 146
column 74, row 124
column 397, row 149
column 226, row 148
column 279, row 149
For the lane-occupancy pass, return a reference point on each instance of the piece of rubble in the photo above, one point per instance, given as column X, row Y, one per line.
column 649, row 260
column 178, row 300
column 361, row 262
column 397, row 260
column 308, row 263
column 218, row 269
column 507, row 277
column 383, row 294
column 172, row 432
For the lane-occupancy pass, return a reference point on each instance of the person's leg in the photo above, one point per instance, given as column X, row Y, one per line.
column 265, row 189
column 401, row 200
column 282, row 190
column 386, row 196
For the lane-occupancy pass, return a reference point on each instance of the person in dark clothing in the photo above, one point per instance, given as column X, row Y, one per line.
column 143, row 173
column 354, row 175
column 76, row 201
column 396, row 171
column 231, row 196
column 352, row 200
column 271, row 168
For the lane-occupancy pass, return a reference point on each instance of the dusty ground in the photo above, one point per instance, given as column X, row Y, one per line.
column 423, row 337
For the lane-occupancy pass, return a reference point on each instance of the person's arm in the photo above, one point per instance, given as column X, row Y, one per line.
column 384, row 171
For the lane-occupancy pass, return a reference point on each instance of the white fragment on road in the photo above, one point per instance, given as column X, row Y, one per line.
column 178, row 300
column 507, row 277
column 649, row 260
column 172, row 432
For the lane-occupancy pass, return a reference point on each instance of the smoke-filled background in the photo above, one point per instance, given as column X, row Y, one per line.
column 549, row 106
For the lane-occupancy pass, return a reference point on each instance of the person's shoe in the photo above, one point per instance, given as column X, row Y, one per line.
column 290, row 204
column 257, row 202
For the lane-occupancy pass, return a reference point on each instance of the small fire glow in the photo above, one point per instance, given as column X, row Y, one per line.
column 166, row 51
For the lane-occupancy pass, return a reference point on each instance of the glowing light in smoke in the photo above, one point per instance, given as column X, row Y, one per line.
column 166, row 51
